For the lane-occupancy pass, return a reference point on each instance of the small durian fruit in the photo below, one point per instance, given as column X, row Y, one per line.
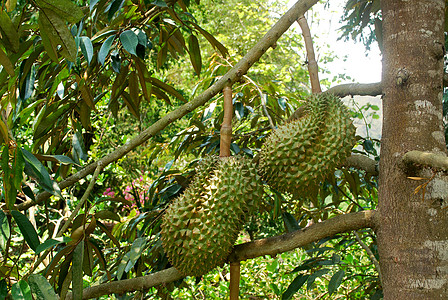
column 301, row 153
column 201, row 226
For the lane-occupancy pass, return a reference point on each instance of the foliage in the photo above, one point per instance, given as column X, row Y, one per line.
column 79, row 79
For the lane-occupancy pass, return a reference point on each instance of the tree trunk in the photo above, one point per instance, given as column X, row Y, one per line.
column 412, row 231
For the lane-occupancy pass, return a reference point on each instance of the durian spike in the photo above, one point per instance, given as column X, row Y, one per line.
column 226, row 126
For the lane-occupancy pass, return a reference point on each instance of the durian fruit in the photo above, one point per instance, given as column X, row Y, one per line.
column 301, row 153
column 200, row 227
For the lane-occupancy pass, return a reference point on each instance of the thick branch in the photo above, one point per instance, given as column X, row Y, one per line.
column 235, row 74
column 289, row 241
column 362, row 162
column 426, row 159
column 268, row 246
column 361, row 89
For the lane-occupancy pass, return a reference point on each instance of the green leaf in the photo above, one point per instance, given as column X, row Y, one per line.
column 3, row 289
column 66, row 9
column 8, row 32
column 19, row 165
column 290, row 222
column 11, row 5
column 136, row 251
column 335, row 281
column 78, row 258
column 211, row 39
column 114, row 7
column 107, row 214
column 79, row 151
column 295, row 285
column 41, row 288
column 86, row 48
column 56, row 30
column 314, row 276
column 6, row 63
column 104, row 50
column 4, row 230
column 27, row 229
column 21, row 290
column 195, row 53
column 36, row 170
column 51, row 243
column 129, row 40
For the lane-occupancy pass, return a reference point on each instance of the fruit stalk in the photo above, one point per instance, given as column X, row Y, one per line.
column 226, row 126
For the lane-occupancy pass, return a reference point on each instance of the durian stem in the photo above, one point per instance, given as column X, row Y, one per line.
column 235, row 280
column 226, row 126
column 313, row 69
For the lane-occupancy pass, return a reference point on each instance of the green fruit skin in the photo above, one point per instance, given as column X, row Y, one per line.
column 201, row 226
column 300, row 154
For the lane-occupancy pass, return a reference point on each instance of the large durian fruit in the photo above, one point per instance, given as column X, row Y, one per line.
column 300, row 154
column 200, row 227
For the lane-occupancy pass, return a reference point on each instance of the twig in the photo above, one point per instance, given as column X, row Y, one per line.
column 370, row 253
column 233, row 75
column 69, row 219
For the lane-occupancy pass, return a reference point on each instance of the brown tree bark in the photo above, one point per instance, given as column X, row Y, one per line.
column 413, row 232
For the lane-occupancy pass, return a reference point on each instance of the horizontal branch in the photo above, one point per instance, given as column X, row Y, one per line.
column 233, row 75
column 269, row 246
column 426, row 159
column 360, row 89
column 362, row 162
column 289, row 241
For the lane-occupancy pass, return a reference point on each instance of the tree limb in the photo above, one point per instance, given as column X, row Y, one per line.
column 361, row 89
column 426, row 159
column 362, row 162
column 268, row 246
column 233, row 75
column 289, row 241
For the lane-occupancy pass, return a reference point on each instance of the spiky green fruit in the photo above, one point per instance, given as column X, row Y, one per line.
column 300, row 154
column 200, row 227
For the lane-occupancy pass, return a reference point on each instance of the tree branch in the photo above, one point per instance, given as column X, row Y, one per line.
column 233, row 75
column 361, row 89
column 289, row 241
column 426, row 159
column 269, row 246
column 362, row 162
column 313, row 69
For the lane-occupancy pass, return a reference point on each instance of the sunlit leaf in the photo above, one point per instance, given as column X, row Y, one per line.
column 136, row 251
column 51, row 243
column 6, row 63
column 27, row 229
column 11, row 5
column 57, row 31
column 21, row 290
column 4, row 230
column 8, row 32
column 86, row 48
column 78, row 258
column 41, row 288
column 65, row 9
